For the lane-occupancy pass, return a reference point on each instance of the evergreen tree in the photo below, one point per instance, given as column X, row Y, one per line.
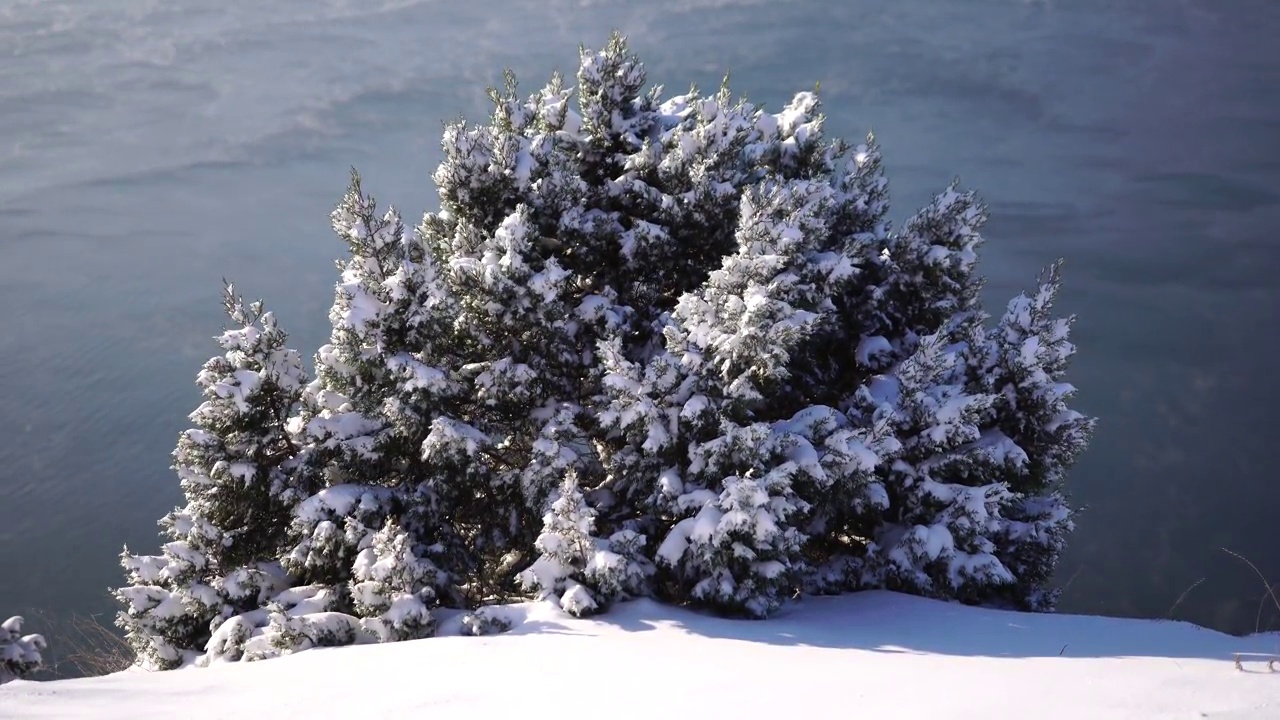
column 361, row 541
column 1036, row 434
column 584, row 572
column 928, row 272
column 20, row 655
column 559, row 230
column 747, row 462
column 966, row 520
column 395, row 585
column 234, row 467
column 497, row 460
column 646, row 346
column 935, row 538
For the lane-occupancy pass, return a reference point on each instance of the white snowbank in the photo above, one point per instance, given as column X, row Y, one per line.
column 869, row 655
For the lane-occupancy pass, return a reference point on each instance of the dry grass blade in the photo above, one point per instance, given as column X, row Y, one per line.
column 95, row 649
column 1262, row 603
column 1185, row 593
column 1266, row 584
column 83, row 646
column 1067, row 585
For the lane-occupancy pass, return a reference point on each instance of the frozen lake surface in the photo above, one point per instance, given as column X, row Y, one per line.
column 149, row 148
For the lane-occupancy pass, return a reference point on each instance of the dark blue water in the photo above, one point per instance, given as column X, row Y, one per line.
column 148, row 149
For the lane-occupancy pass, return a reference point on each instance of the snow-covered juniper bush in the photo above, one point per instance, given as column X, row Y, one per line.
column 237, row 472
column 20, row 655
column 649, row 345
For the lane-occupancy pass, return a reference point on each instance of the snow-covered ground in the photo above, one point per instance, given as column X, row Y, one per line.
column 869, row 655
